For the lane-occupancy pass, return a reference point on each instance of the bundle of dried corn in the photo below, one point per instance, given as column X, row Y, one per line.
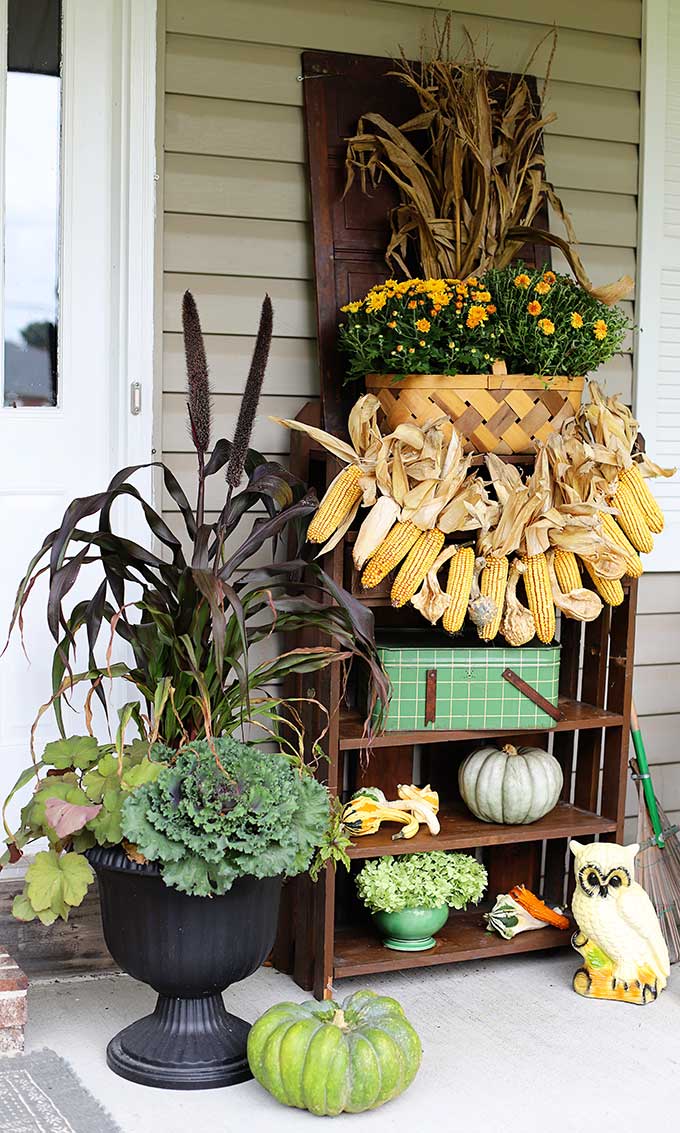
column 469, row 167
column 495, row 544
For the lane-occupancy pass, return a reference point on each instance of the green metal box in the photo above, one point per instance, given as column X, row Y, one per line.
column 468, row 689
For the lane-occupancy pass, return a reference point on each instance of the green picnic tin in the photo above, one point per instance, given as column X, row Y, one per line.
column 452, row 687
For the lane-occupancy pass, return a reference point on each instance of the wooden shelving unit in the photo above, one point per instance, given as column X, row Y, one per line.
column 325, row 933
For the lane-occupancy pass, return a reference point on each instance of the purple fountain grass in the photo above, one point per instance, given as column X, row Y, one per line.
column 251, row 397
column 198, row 392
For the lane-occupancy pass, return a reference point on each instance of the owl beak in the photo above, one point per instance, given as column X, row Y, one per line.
column 603, row 891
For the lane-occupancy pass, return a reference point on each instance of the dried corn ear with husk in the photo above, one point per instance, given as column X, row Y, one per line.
column 374, row 529
column 609, row 589
column 341, row 496
column 518, row 626
column 431, row 601
column 459, row 588
column 539, row 596
column 630, row 517
column 416, row 565
column 580, row 604
column 492, row 585
column 615, row 534
column 639, row 488
column 389, row 554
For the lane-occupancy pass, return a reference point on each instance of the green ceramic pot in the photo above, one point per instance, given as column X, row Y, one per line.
column 411, row 930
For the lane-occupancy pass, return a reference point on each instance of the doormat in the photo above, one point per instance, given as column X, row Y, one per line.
column 39, row 1093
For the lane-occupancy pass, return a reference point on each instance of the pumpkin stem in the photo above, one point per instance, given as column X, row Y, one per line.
column 338, row 1020
column 509, row 749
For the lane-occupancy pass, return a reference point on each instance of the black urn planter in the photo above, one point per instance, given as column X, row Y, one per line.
column 189, row 949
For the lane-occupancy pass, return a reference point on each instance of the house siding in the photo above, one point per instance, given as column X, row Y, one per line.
column 236, row 215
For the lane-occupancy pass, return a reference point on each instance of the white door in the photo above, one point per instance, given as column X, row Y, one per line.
column 65, row 298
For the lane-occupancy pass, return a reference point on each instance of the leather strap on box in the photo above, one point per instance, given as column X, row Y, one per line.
column 532, row 694
column 430, row 696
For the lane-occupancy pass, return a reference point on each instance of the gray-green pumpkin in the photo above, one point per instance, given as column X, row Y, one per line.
column 510, row 785
column 333, row 1058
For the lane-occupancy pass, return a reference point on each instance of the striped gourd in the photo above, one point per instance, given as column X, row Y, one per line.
column 458, row 587
column 390, row 553
column 615, row 534
column 566, row 569
column 341, row 496
column 609, row 589
column 653, row 514
column 416, row 565
column 492, row 584
column 631, row 517
column 539, row 596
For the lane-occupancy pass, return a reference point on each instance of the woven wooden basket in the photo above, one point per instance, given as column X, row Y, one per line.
column 499, row 412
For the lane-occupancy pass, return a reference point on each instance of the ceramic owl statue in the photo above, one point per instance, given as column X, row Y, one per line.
column 624, row 953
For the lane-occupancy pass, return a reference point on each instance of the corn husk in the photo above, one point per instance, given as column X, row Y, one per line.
column 581, row 604
column 374, row 529
column 518, row 623
column 430, row 600
column 481, row 609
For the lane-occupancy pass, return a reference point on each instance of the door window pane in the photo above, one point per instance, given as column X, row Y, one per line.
column 32, row 144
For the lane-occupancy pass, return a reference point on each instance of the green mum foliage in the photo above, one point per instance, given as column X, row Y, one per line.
column 224, row 811
column 421, row 881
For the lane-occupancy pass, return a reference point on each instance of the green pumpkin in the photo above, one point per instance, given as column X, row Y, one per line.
column 510, row 785
column 332, row 1058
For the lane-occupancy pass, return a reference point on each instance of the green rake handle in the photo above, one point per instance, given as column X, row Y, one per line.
column 645, row 777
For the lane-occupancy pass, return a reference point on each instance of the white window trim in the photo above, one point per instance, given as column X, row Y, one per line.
column 132, row 208
column 650, row 213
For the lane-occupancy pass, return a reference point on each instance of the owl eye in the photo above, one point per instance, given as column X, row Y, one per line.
column 593, row 879
column 615, row 882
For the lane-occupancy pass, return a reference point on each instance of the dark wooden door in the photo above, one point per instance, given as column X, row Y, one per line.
column 351, row 232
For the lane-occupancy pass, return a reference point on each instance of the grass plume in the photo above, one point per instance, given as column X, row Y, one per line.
column 198, row 384
column 251, row 396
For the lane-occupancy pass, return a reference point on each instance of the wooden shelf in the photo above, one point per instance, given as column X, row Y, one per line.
column 460, row 830
column 577, row 716
column 359, row 952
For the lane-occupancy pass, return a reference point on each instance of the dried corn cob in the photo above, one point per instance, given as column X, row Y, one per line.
column 341, row 496
column 492, row 585
column 631, row 517
column 653, row 514
column 539, row 596
column 566, row 569
column 390, row 553
column 416, row 565
column 458, row 587
column 609, row 589
column 375, row 529
column 616, row 535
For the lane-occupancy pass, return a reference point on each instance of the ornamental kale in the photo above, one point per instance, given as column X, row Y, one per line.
column 225, row 810
column 421, row 881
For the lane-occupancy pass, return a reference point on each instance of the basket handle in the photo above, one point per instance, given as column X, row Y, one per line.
column 532, row 694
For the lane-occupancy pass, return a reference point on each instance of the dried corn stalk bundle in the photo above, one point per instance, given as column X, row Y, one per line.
column 469, row 168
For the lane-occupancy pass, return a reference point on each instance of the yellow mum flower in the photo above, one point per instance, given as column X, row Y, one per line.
column 546, row 326
column 422, row 325
column 422, row 342
column 600, row 329
column 522, row 280
column 476, row 315
column 481, row 296
column 576, row 320
column 542, row 288
column 352, row 306
column 534, row 307
column 376, row 301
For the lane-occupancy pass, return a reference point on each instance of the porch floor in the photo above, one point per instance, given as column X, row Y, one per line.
column 507, row 1045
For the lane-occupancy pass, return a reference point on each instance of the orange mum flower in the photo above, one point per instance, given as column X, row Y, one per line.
column 400, row 347
column 476, row 315
column 423, row 325
column 550, row 277
column 546, row 326
column 491, row 309
column 576, row 320
column 534, row 307
column 600, row 329
column 412, row 305
column 392, row 325
column 542, row 288
column 522, row 281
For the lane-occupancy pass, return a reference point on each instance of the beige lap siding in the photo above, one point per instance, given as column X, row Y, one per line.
column 236, row 217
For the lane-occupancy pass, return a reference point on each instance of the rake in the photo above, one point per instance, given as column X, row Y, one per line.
column 658, row 863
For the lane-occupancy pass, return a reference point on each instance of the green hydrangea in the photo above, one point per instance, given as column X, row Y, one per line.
column 421, row 881
column 226, row 811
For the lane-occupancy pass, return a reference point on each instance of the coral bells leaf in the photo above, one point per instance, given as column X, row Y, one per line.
column 198, row 385
column 65, row 818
